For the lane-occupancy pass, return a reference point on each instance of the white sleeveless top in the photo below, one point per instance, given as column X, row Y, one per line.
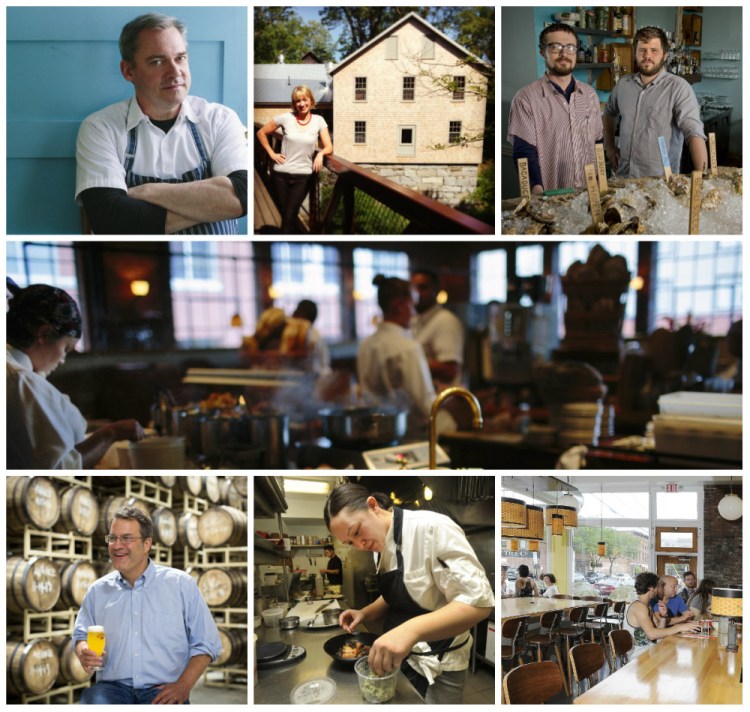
column 640, row 639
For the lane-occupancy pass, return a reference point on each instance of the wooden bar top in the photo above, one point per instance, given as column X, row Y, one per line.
column 517, row 607
column 676, row 670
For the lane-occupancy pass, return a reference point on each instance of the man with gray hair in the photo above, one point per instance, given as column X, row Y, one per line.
column 160, row 635
column 162, row 162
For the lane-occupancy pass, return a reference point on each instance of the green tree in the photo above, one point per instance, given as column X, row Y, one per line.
column 620, row 545
column 481, row 202
column 280, row 30
column 471, row 27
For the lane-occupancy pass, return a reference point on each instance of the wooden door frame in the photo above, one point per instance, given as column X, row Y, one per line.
column 663, row 559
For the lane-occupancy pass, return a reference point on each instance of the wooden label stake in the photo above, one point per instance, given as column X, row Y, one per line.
column 695, row 202
column 601, row 168
column 597, row 215
column 712, row 153
column 523, row 177
column 665, row 158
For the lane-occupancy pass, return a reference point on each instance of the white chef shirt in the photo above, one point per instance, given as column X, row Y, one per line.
column 441, row 335
column 425, row 537
column 298, row 144
column 43, row 425
column 103, row 139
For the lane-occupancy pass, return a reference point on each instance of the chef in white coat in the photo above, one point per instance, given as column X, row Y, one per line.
column 391, row 366
column 433, row 589
column 44, row 429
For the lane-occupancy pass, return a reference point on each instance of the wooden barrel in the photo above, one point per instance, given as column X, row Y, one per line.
column 187, row 531
column 165, row 480
column 75, row 579
column 138, row 504
column 194, row 572
column 233, row 647
column 213, row 491
column 79, row 511
column 31, row 667
column 31, row 583
column 31, row 500
column 165, row 526
column 230, row 495
column 71, row 670
column 240, row 484
column 223, row 526
column 107, row 510
column 224, row 588
column 190, row 484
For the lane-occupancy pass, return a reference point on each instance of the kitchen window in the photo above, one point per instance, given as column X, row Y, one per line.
column 304, row 271
column 454, row 131
column 459, row 88
column 489, row 276
column 408, row 89
column 360, row 131
column 360, row 88
column 367, row 264
column 702, row 279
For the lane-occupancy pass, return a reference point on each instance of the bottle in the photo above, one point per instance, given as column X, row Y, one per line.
column 617, row 20
column 588, row 55
column 626, row 23
column 580, row 55
column 319, row 588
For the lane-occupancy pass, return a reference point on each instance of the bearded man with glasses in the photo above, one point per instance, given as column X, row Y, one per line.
column 555, row 121
column 160, row 634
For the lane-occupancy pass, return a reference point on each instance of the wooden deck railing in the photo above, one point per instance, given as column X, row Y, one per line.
column 416, row 213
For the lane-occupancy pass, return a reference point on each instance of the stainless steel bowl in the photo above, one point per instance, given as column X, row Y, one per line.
column 376, row 426
column 289, row 622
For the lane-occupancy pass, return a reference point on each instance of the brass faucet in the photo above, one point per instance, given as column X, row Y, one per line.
column 443, row 396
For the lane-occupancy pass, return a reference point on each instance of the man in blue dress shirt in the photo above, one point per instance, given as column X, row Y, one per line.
column 669, row 605
column 160, row 635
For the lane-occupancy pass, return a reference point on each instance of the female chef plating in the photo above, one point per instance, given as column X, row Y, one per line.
column 433, row 589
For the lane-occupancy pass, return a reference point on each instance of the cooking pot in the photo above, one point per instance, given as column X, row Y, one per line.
column 269, row 431
column 216, row 432
column 376, row 427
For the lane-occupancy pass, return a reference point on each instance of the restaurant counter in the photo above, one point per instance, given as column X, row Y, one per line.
column 276, row 684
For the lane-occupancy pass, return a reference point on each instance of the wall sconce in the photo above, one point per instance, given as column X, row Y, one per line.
column 636, row 283
column 140, row 287
column 442, row 297
column 236, row 320
column 274, row 292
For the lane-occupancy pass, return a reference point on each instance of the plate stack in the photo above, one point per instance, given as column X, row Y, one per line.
column 577, row 423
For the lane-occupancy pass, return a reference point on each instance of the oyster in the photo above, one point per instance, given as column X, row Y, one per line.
column 711, row 200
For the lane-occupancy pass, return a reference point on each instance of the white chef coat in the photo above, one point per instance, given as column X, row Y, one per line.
column 425, row 538
column 441, row 335
column 321, row 356
column 103, row 138
column 43, row 425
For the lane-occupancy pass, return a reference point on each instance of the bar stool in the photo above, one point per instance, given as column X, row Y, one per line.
column 550, row 620
column 586, row 660
column 515, row 630
column 616, row 620
column 531, row 684
column 576, row 630
column 600, row 625
column 620, row 643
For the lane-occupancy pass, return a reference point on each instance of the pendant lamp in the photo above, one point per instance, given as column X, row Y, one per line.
column 512, row 513
column 601, row 545
column 730, row 506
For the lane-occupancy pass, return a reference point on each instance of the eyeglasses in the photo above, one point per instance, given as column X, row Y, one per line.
column 556, row 47
column 127, row 539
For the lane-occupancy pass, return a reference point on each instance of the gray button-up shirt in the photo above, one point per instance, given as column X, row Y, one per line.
column 667, row 107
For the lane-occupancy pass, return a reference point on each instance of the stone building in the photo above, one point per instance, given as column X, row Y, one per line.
column 401, row 96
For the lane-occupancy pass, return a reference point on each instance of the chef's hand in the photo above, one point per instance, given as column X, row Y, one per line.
column 613, row 153
column 127, row 430
column 537, row 190
column 88, row 658
column 350, row 619
column 388, row 651
column 173, row 693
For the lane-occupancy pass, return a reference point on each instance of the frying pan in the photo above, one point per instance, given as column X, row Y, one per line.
column 333, row 645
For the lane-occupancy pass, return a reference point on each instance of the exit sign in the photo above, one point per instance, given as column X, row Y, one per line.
column 672, row 487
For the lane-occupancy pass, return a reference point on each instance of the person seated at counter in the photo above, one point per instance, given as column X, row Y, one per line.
column 504, row 582
column 551, row 583
column 700, row 601
column 688, row 578
column 668, row 604
column 44, row 429
column 525, row 585
column 391, row 365
column 642, row 621
column 433, row 589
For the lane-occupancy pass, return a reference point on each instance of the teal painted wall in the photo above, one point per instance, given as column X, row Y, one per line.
column 63, row 64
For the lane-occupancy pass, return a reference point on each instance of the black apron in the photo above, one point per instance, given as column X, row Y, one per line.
column 200, row 172
column 401, row 608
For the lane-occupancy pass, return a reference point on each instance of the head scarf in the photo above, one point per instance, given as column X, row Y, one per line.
column 42, row 304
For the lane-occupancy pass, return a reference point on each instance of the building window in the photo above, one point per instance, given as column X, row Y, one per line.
column 360, row 131
column 408, row 94
column 360, row 88
column 428, row 48
column 459, row 88
column 489, row 276
column 454, row 131
column 368, row 263
column 407, row 135
column 702, row 280
column 391, row 47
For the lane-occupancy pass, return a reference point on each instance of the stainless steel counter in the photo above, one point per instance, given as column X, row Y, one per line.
column 276, row 684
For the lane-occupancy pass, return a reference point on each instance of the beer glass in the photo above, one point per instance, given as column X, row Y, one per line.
column 96, row 642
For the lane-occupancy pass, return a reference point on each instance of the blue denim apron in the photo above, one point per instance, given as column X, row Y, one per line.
column 222, row 227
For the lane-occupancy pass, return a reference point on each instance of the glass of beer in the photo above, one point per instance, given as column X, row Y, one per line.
column 96, row 642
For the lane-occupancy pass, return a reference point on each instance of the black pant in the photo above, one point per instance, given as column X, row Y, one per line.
column 291, row 190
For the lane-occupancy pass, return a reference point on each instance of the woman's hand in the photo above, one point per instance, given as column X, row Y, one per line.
column 351, row 618
column 279, row 158
column 389, row 650
column 318, row 162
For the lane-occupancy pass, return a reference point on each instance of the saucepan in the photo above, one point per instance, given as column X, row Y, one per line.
column 374, row 426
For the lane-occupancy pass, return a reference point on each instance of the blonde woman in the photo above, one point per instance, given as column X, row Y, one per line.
column 294, row 165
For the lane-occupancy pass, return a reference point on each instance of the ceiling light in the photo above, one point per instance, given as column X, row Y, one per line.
column 306, row 486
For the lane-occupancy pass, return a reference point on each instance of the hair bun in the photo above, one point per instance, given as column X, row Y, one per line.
column 378, row 279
